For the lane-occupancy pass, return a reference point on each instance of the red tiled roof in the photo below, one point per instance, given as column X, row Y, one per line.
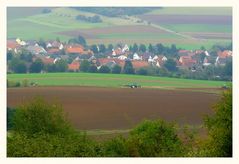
column 103, row 61
column 11, row 44
column 53, row 50
column 139, row 64
column 224, row 54
column 76, row 49
column 48, row 60
column 75, row 65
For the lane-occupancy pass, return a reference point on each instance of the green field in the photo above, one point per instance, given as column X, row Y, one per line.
column 33, row 25
column 111, row 80
column 192, row 11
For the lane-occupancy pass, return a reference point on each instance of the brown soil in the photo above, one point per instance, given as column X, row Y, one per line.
column 120, row 108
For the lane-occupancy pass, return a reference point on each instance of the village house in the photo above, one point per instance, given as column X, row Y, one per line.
column 137, row 57
column 12, row 45
column 74, row 49
column 74, row 66
column 139, row 64
column 36, row 50
column 187, row 61
column 223, row 57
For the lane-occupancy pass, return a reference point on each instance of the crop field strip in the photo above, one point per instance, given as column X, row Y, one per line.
column 51, row 26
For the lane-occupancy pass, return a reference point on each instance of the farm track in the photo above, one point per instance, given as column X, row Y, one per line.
column 90, row 108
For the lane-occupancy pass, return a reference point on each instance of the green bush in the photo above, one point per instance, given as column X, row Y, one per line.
column 220, row 128
column 155, row 139
column 39, row 116
column 116, row 147
column 49, row 145
column 10, row 114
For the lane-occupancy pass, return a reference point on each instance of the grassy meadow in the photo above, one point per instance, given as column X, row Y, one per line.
column 112, row 80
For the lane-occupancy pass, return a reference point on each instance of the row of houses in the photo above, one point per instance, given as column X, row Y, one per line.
column 119, row 54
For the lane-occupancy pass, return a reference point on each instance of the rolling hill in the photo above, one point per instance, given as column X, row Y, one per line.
column 162, row 25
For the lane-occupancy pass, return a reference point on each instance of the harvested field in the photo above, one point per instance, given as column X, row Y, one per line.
column 92, row 33
column 189, row 19
column 209, row 35
column 120, row 108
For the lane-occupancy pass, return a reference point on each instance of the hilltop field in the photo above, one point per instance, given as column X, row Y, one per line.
column 188, row 28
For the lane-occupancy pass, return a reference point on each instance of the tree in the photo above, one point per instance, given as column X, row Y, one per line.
column 104, row 69
column 219, row 128
column 155, row 139
column 38, row 116
column 150, row 48
column 42, row 43
column 92, row 69
column 228, row 68
column 81, row 40
column 142, row 48
column 135, row 48
column 159, row 48
column 18, row 66
column 142, row 71
column 84, row 66
column 25, row 55
column 110, row 47
column 9, row 55
column 116, row 69
column 36, row 66
column 128, row 67
column 102, row 48
column 94, row 48
column 50, row 68
column 170, row 65
column 61, row 65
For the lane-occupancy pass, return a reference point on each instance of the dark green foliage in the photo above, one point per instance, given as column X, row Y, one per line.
column 50, row 68
column 18, row 66
column 170, row 64
column 84, row 66
column 92, row 69
column 142, row 71
column 10, row 114
column 116, row 147
column 128, row 67
column 61, row 65
column 102, row 48
column 228, row 68
column 81, row 40
column 40, row 117
column 142, row 48
column 116, row 69
column 104, row 69
column 94, row 48
column 155, row 139
column 93, row 19
column 220, row 128
column 110, row 47
column 42, row 43
column 50, row 145
column 36, row 66
column 150, row 48
column 9, row 55
column 135, row 47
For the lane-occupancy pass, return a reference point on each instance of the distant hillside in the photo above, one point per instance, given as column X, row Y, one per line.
column 188, row 27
